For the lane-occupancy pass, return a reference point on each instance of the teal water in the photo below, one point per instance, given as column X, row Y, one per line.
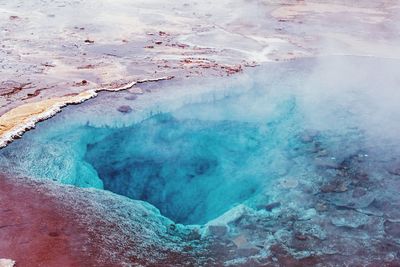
column 192, row 169
column 196, row 161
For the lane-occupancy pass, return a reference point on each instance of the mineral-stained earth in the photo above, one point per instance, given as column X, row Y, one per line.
column 199, row 133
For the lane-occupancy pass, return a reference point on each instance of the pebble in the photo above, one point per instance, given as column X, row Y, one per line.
column 194, row 235
column 350, row 219
column 334, row 186
column 131, row 97
column 321, row 207
column 272, row 206
column 124, row 109
column 301, row 237
column 308, row 214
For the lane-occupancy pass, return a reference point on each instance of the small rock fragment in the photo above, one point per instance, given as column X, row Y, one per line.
column 321, row 207
column 272, row 206
column 88, row 66
column 131, row 97
column 194, row 235
column 301, row 237
column 334, row 186
column 308, row 214
column 350, row 219
column 54, row 234
column 124, row 109
column 81, row 83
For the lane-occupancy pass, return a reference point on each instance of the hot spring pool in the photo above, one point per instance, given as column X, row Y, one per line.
column 200, row 155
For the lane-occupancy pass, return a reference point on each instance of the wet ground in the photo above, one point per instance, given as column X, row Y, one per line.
column 56, row 48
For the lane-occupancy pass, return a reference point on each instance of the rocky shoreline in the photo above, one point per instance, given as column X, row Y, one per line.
column 18, row 120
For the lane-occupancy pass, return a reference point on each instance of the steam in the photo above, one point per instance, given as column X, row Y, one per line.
column 356, row 92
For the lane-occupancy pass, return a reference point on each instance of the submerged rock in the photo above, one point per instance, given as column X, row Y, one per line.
column 125, row 109
column 272, row 206
column 350, row 219
column 131, row 97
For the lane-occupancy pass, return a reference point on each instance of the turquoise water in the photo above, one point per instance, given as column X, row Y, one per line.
column 196, row 161
column 192, row 169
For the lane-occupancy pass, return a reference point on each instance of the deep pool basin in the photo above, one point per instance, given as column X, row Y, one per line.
column 315, row 138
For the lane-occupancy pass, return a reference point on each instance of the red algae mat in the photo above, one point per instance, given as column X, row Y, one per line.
column 35, row 230
column 42, row 224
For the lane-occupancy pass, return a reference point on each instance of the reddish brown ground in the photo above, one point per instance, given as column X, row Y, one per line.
column 35, row 231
